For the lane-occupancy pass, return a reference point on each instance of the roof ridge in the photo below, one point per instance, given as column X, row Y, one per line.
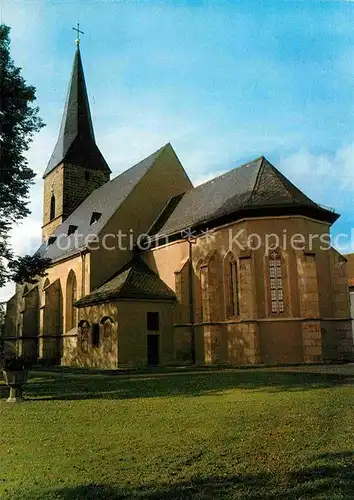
column 287, row 183
column 119, row 271
column 136, row 259
column 157, row 153
column 126, row 284
column 277, row 172
column 262, row 158
column 245, row 164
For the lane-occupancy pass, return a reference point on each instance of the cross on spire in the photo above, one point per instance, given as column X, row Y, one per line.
column 77, row 41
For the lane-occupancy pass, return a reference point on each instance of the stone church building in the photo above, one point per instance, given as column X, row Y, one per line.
column 148, row 270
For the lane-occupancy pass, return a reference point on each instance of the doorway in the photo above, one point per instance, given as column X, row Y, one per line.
column 153, row 349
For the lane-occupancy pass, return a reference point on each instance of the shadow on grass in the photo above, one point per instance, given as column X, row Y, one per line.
column 57, row 386
column 331, row 478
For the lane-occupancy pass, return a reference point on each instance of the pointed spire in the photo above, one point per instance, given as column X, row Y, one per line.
column 76, row 142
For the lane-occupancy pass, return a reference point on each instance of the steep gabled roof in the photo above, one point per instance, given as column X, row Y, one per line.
column 133, row 281
column 76, row 142
column 105, row 201
column 254, row 185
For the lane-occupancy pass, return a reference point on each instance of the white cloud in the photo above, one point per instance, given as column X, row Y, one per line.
column 327, row 179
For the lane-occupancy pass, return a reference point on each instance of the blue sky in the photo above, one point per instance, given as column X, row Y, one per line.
column 223, row 81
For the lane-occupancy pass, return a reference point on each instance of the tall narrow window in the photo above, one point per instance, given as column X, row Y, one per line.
column 231, row 287
column 52, row 207
column 73, row 300
column 71, row 297
column 276, row 282
column 96, row 335
column 198, row 291
column 234, row 287
column 201, row 294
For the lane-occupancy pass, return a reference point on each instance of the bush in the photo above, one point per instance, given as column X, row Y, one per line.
column 17, row 363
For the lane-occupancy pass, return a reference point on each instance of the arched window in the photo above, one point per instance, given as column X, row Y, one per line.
column 71, row 297
column 107, row 325
column 276, row 282
column 231, row 286
column 52, row 207
column 83, row 335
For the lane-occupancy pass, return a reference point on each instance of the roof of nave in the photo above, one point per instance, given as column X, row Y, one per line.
column 256, row 188
column 134, row 280
column 243, row 190
column 104, row 201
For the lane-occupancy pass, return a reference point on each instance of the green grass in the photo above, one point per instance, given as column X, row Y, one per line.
column 235, row 434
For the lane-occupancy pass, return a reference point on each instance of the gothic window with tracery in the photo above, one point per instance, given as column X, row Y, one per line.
column 276, row 282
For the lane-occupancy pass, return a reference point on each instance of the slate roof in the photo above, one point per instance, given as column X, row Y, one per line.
column 133, row 281
column 257, row 184
column 104, row 200
column 76, row 142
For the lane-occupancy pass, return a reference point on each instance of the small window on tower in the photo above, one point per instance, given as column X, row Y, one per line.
column 52, row 207
column 87, row 175
column 95, row 217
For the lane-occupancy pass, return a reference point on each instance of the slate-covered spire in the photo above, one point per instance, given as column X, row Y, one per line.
column 76, row 143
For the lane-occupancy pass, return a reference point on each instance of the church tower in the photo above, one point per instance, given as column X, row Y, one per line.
column 76, row 167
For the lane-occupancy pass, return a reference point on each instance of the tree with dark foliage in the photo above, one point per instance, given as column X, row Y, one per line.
column 2, row 315
column 19, row 121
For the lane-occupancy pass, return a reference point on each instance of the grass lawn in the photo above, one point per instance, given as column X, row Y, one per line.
column 285, row 433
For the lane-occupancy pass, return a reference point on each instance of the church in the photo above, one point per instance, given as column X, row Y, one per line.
column 147, row 269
